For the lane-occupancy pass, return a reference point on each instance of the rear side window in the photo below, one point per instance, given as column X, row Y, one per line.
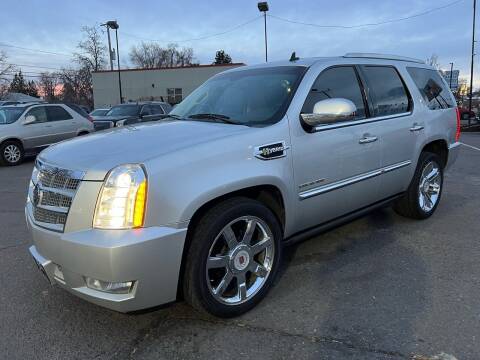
column 386, row 90
column 57, row 113
column 39, row 113
column 336, row 82
column 157, row 109
column 432, row 88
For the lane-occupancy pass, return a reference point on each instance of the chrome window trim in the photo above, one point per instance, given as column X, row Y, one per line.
column 351, row 180
column 358, row 122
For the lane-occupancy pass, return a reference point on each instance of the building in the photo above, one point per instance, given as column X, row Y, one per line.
column 454, row 78
column 167, row 84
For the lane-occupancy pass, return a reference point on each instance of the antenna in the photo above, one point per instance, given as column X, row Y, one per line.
column 293, row 57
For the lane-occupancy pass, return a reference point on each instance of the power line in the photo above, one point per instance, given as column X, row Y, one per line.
column 198, row 38
column 368, row 24
column 35, row 50
column 35, row 66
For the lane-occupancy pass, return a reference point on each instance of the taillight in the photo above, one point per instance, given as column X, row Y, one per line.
column 457, row 133
column 90, row 118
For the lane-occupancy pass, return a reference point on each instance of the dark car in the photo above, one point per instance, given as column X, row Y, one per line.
column 131, row 113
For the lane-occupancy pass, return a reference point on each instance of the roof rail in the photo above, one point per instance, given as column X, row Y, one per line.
column 382, row 56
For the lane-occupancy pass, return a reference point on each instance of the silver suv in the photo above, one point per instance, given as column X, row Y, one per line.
column 199, row 206
column 27, row 129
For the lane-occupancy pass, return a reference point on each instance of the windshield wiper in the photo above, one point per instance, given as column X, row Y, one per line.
column 217, row 117
column 173, row 116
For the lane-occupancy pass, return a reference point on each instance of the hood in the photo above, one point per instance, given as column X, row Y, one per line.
column 99, row 152
column 113, row 118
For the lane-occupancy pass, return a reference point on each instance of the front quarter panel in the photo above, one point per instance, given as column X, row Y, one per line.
column 180, row 183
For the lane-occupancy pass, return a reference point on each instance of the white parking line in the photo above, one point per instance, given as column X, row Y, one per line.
column 470, row 146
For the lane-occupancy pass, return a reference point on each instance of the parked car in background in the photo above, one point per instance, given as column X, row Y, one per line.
column 27, row 129
column 81, row 110
column 467, row 117
column 131, row 113
column 200, row 205
column 99, row 112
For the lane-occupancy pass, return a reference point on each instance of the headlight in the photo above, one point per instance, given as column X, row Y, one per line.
column 120, row 123
column 122, row 200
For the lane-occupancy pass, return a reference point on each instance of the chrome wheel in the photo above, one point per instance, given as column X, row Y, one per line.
column 12, row 153
column 240, row 260
column 429, row 186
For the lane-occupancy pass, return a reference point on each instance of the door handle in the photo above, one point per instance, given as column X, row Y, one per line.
column 416, row 127
column 367, row 139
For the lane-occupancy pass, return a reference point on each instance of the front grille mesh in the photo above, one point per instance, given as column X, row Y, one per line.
column 52, row 195
column 49, row 217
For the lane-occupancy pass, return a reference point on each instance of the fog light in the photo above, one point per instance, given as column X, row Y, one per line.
column 109, row 287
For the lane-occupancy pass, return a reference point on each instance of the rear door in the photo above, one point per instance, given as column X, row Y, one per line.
column 335, row 166
column 64, row 125
column 397, row 128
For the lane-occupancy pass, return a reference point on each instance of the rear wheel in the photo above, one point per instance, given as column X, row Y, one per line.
column 233, row 258
column 423, row 195
column 11, row 153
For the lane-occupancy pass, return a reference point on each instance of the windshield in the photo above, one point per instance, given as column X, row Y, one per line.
column 99, row 112
column 248, row 97
column 124, row 110
column 9, row 115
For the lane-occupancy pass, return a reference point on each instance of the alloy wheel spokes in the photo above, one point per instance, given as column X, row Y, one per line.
column 240, row 260
column 429, row 186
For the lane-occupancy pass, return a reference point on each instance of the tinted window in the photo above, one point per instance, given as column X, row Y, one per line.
column 9, row 115
column 78, row 109
column 156, row 109
column 432, row 88
column 124, row 110
column 39, row 113
column 99, row 112
column 146, row 110
column 337, row 82
column 388, row 93
column 57, row 113
column 251, row 97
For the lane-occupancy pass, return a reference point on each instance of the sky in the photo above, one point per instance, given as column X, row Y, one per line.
column 54, row 26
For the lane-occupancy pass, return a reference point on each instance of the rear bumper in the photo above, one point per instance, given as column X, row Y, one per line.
column 150, row 257
column 453, row 151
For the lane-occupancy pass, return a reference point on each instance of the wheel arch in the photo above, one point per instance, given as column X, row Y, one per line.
column 269, row 195
column 439, row 147
column 18, row 140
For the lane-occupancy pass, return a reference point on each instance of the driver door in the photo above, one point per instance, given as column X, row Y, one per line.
column 335, row 165
column 39, row 133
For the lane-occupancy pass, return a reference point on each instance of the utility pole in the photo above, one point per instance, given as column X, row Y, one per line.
column 471, row 63
column 118, row 67
column 263, row 7
column 451, row 75
column 109, row 46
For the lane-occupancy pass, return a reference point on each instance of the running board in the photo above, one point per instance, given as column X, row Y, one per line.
column 324, row 227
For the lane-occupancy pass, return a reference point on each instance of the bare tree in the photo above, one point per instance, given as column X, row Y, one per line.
column 92, row 53
column 152, row 55
column 433, row 61
column 48, row 84
column 5, row 70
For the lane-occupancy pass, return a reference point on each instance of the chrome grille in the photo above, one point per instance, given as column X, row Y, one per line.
column 51, row 194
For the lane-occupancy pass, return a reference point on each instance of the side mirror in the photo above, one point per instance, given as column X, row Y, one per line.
column 330, row 111
column 29, row 119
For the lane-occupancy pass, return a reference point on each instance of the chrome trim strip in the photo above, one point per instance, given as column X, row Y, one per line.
column 358, row 122
column 352, row 180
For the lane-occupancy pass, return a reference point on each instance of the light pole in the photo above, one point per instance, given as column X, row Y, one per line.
column 471, row 63
column 112, row 24
column 263, row 7
column 451, row 74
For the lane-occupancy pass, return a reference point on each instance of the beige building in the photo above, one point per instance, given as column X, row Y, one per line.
column 167, row 84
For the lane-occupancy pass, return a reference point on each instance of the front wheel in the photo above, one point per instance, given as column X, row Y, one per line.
column 11, row 153
column 233, row 258
column 423, row 195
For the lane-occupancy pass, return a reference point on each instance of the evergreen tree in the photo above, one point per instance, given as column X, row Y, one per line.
column 221, row 57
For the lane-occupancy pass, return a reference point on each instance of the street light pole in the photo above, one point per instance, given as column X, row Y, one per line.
column 263, row 7
column 451, row 74
column 118, row 68
column 109, row 46
column 471, row 63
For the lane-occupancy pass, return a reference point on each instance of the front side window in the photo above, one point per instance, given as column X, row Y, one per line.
column 124, row 110
column 432, row 87
column 253, row 97
column 336, row 82
column 9, row 115
column 387, row 91
column 57, row 113
column 156, row 109
column 39, row 112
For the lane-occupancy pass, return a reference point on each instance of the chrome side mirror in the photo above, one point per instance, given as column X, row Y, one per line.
column 330, row 111
column 29, row 119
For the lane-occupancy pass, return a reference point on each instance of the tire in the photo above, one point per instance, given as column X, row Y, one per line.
column 11, row 153
column 237, row 265
column 421, row 199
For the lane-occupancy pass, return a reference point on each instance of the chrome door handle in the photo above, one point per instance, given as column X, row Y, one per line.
column 367, row 139
column 416, row 127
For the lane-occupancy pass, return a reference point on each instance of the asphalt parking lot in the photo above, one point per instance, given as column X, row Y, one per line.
column 382, row 287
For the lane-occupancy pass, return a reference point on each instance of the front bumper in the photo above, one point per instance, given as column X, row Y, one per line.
column 151, row 257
